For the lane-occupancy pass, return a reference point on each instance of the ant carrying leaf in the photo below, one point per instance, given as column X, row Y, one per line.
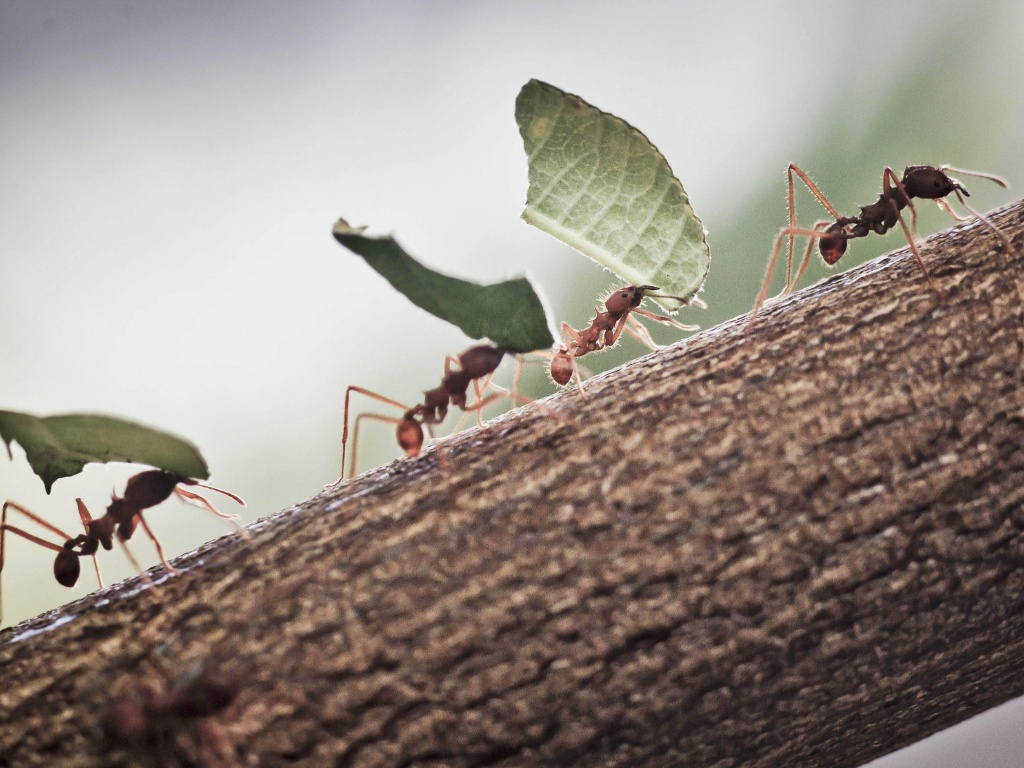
column 511, row 314
column 599, row 185
column 123, row 516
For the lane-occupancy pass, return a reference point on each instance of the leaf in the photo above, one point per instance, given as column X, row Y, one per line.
column 510, row 314
column 59, row 446
column 599, row 185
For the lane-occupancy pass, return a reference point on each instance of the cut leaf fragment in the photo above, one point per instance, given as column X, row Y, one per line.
column 599, row 185
column 59, row 446
column 511, row 313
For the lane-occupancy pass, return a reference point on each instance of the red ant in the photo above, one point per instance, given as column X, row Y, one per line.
column 921, row 181
column 147, row 718
column 607, row 326
column 142, row 491
column 476, row 363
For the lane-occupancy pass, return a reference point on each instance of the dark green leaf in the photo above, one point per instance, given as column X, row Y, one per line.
column 510, row 314
column 59, row 446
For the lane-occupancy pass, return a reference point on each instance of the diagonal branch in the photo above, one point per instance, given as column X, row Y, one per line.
column 802, row 550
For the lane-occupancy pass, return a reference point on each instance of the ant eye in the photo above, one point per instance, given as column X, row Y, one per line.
column 623, row 295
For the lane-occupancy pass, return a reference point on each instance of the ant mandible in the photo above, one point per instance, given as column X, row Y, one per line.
column 606, row 327
column 475, row 364
column 123, row 516
column 920, row 181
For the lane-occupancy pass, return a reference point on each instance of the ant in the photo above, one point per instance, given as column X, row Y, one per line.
column 920, row 181
column 475, row 364
column 147, row 718
column 123, row 516
column 606, row 327
column 166, row 713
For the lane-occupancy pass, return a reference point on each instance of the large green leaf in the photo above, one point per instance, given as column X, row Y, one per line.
column 59, row 446
column 599, row 185
column 510, row 314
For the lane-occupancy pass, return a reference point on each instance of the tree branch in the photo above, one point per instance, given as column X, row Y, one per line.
column 801, row 550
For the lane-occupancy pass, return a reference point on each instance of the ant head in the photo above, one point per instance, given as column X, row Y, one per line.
column 626, row 298
column 66, row 568
column 481, row 360
column 561, row 367
column 149, row 488
column 410, row 435
column 929, row 183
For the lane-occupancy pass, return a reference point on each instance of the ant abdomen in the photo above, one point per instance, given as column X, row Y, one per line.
column 561, row 367
column 832, row 248
column 66, row 568
column 410, row 435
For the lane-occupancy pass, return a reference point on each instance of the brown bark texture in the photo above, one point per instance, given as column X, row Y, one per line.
column 805, row 549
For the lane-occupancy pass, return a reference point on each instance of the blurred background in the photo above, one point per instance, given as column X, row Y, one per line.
column 172, row 173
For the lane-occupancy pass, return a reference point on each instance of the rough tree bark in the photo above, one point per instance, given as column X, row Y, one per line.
column 802, row 550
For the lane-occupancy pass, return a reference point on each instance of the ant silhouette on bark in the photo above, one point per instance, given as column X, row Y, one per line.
column 921, row 181
column 152, row 717
column 171, row 708
column 123, row 516
column 606, row 327
column 474, row 366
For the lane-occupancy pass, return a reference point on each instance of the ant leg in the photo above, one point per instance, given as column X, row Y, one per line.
column 949, row 209
column 355, row 439
column 234, row 497
column 981, row 217
column 135, row 563
column 31, row 516
column 665, row 320
column 83, row 513
column 890, row 175
column 4, row 528
column 195, row 499
column 910, row 232
column 773, row 261
column 639, row 331
column 570, row 336
column 990, row 176
column 156, row 542
column 448, row 360
column 344, row 434
column 813, row 188
column 819, row 227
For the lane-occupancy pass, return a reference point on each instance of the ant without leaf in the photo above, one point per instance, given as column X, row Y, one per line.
column 607, row 326
column 123, row 516
column 150, row 718
column 921, row 181
column 475, row 364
